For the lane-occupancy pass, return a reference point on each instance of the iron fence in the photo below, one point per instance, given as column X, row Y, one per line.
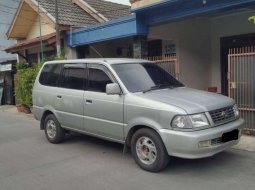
column 241, row 77
column 169, row 63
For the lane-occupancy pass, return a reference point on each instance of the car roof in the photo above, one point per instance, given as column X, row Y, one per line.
column 106, row 61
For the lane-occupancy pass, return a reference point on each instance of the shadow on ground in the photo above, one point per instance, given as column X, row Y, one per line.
column 226, row 159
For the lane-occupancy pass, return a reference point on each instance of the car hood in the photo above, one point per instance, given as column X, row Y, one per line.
column 190, row 100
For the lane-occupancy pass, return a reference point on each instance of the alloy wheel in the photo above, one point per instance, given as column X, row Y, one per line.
column 51, row 129
column 146, row 150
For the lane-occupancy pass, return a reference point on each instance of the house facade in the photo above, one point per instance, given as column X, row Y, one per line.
column 31, row 34
column 34, row 25
column 201, row 32
column 198, row 33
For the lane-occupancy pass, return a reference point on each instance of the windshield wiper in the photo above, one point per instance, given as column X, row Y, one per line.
column 159, row 86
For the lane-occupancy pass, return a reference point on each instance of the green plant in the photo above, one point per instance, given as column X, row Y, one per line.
column 21, row 66
column 25, row 77
column 25, row 82
column 54, row 57
column 18, row 88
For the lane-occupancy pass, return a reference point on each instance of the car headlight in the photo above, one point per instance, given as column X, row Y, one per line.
column 236, row 111
column 181, row 122
column 199, row 120
column 190, row 121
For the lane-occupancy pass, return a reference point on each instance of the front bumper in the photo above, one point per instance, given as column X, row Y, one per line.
column 186, row 144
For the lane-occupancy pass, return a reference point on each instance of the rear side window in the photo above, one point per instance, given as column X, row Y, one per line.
column 50, row 74
column 98, row 80
column 73, row 78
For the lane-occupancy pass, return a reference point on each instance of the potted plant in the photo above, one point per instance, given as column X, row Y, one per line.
column 20, row 107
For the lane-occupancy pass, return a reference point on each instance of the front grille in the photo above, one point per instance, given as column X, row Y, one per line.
column 223, row 115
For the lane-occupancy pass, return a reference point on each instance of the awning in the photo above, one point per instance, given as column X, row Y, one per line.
column 165, row 11
column 30, row 43
column 114, row 29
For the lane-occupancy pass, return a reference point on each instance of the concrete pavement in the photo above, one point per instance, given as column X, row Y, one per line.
column 29, row 162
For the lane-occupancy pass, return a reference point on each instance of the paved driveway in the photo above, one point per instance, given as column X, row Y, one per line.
column 29, row 162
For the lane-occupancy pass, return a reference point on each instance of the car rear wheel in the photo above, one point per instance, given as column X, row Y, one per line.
column 149, row 151
column 53, row 130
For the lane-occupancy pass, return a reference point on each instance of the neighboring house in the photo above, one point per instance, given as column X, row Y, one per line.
column 35, row 32
column 6, row 60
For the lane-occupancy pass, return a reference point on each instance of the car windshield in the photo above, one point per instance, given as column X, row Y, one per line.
column 144, row 77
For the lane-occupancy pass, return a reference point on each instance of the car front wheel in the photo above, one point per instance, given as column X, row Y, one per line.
column 149, row 151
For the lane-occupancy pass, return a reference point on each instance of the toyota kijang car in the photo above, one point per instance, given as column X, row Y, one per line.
column 137, row 103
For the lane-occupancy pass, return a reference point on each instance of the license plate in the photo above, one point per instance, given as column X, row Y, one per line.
column 230, row 136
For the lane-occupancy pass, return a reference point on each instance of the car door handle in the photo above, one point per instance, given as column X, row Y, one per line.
column 59, row 97
column 89, row 101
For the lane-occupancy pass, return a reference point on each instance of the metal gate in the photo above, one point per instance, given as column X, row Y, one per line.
column 169, row 63
column 241, row 85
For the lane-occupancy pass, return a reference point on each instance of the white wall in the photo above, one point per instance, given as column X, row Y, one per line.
column 192, row 38
column 70, row 52
column 198, row 45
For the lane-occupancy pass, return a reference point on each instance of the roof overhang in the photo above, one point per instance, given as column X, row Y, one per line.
column 31, row 43
column 25, row 17
column 115, row 29
column 172, row 10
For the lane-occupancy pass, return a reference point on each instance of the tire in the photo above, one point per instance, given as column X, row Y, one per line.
column 149, row 151
column 53, row 130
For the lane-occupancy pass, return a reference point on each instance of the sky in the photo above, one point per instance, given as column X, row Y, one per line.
column 6, row 18
column 125, row 2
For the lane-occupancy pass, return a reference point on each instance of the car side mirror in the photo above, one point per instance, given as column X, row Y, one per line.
column 113, row 89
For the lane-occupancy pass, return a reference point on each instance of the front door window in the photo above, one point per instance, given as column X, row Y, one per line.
column 98, row 80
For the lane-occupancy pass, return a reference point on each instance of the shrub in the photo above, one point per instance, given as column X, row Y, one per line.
column 25, row 81
column 20, row 66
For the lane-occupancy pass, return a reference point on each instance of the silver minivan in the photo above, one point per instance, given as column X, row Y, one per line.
column 137, row 103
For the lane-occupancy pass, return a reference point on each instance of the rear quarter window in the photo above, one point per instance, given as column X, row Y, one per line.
column 50, row 74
